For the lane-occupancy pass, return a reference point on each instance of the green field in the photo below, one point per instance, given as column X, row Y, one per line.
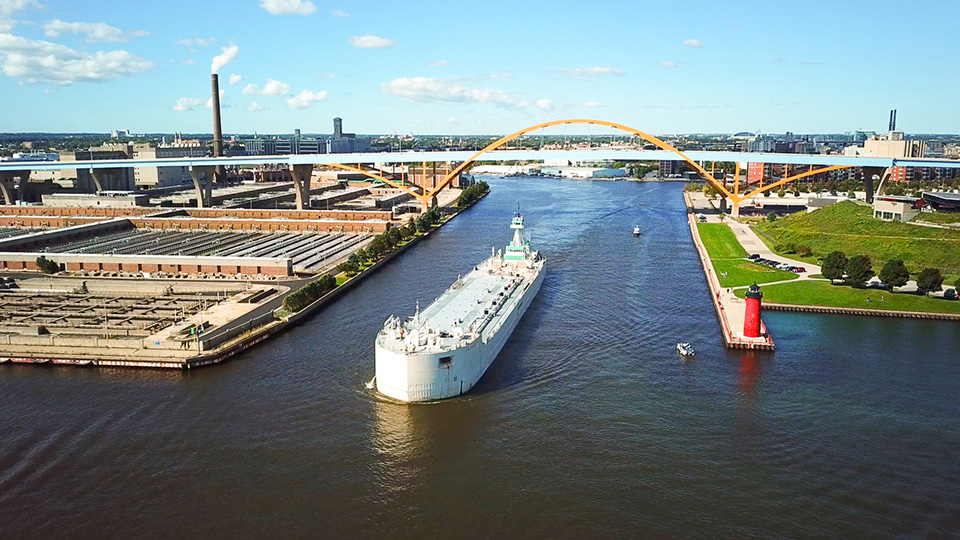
column 728, row 258
column 822, row 293
column 850, row 227
column 720, row 241
column 739, row 272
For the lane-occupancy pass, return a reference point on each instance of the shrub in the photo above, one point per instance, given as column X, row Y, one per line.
column 309, row 293
column 804, row 251
column 772, row 216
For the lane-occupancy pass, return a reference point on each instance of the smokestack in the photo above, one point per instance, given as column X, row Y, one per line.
column 217, row 132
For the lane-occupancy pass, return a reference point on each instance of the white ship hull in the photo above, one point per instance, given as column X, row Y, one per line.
column 430, row 376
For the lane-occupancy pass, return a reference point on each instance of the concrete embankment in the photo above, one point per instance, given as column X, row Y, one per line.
column 729, row 308
column 863, row 312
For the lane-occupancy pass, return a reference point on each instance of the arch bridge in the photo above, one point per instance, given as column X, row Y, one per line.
column 301, row 165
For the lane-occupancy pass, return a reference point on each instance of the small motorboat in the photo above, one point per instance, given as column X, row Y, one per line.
column 636, row 230
column 685, row 349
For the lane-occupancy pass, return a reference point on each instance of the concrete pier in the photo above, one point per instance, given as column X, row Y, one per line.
column 729, row 308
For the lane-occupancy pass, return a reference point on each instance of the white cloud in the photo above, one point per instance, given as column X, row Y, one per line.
column 209, row 103
column 272, row 88
column 275, row 88
column 94, row 32
column 545, row 104
column 189, row 62
column 198, row 42
column 187, row 104
column 256, row 107
column 226, row 55
column 35, row 61
column 9, row 8
column 669, row 64
column 428, row 89
column 695, row 43
column 592, row 104
column 594, row 71
column 288, row 7
column 371, row 42
column 338, row 13
column 234, row 78
column 439, row 63
column 305, row 99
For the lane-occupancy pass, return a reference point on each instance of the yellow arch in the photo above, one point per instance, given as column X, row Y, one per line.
column 735, row 197
column 783, row 181
column 378, row 177
column 645, row 136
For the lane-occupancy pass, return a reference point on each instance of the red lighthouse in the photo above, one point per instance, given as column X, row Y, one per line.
column 751, row 318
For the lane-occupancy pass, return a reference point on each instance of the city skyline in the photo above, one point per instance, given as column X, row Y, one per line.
column 287, row 64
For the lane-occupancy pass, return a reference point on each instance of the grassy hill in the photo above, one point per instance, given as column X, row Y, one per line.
column 850, row 227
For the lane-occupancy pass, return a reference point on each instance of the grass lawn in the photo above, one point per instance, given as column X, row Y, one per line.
column 850, row 227
column 720, row 241
column 729, row 258
column 740, row 272
column 341, row 278
column 822, row 293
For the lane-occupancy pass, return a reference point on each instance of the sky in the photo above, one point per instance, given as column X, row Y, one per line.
column 478, row 67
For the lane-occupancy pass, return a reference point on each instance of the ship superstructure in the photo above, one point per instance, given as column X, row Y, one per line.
column 443, row 350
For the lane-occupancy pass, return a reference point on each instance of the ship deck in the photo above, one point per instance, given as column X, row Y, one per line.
column 467, row 302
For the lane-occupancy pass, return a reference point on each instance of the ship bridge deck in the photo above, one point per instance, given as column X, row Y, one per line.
column 466, row 301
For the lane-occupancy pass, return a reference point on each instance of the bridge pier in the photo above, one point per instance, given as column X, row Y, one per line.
column 735, row 210
column 99, row 178
column 205, row 189
column 301, row 184
column 6, row 185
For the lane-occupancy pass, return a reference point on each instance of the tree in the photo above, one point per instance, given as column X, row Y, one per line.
column 47, row 266
column 928, row 280
column 421, row 224
column 771, row 217
column 894, row 274
column 859, row 270
column 834, row 265
column 361, row 255
column 781, row 192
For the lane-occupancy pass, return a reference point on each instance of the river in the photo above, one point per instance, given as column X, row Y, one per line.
column 588, row 425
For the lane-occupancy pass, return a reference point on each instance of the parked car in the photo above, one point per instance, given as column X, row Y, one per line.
column 950, row 294
column 798, row 269
column 783, row 266
column 754, row 257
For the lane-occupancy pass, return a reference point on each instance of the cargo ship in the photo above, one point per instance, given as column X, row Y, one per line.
column 444, row 350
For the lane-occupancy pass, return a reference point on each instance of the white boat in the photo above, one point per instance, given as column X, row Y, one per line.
column 685, row 349
column 636, row 230
column 442, row 351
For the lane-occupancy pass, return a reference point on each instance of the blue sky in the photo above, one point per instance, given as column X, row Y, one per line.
column 478, row 67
